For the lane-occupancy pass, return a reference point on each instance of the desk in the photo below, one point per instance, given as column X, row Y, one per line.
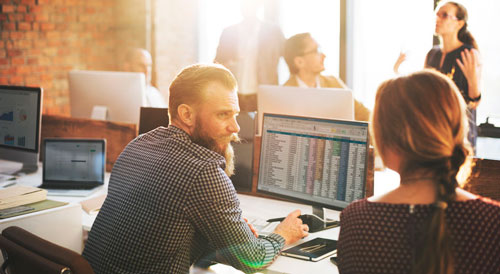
column 60, row 225
column 63, row 225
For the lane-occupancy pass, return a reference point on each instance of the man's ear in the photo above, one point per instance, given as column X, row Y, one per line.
column 186, row 114
column 298, row 61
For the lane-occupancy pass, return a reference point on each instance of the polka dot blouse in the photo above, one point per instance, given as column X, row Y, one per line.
column 382, row 238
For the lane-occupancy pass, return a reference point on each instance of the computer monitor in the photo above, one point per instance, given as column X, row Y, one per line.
column 20, row 118
column 151, row 118
column 107, row 95
column 321, row 162
column 332, row 103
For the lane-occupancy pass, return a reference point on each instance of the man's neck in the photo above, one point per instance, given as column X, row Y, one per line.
column 308, row 78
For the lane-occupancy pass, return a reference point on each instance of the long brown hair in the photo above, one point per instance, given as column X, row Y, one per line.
column 422, row 117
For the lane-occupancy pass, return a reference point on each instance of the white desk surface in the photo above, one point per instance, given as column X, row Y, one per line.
column 252, row 207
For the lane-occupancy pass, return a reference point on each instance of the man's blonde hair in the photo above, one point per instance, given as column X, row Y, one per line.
column 189, row 84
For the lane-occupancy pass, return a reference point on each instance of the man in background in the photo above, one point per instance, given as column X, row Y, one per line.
column 139, row 60
column 170, row 200
column 251, row 50
column 306, row 62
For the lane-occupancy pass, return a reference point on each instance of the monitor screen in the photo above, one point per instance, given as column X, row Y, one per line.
column 321, row 162
column 117, row 95
column 20, row 114
column 74, row 160
column 331, row 103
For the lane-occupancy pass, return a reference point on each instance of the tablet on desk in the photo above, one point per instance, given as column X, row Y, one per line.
column 313, row 250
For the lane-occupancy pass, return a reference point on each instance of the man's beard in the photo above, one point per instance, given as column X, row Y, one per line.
column 201, row 138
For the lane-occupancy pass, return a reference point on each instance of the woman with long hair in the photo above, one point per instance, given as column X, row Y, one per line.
column 428, row 224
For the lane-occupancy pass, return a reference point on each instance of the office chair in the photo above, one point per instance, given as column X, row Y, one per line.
column 24, row 252
column 484, row 179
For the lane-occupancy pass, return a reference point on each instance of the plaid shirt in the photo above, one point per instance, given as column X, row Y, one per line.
column 169, row 202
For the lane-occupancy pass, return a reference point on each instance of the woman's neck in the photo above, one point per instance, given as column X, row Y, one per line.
column 450, row 43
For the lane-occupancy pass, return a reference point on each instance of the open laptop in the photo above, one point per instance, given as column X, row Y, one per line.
column 73, row 167
column 330, row 103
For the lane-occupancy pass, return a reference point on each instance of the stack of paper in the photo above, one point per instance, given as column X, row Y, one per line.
column 20, row 195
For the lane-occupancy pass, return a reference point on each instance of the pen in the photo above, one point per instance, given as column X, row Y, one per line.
column 275, row 220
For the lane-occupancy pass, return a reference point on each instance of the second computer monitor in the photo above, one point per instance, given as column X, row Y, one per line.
column 20, row 117
column 121, row 93
column 332, row 103
column 322, row 162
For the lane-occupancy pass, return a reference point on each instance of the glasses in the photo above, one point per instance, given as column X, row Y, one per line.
column 444, row 16
column 316, row 51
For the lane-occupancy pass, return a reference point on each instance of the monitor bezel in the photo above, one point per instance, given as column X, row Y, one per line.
column 99, row 141
column 304, row 201
column 39, row 92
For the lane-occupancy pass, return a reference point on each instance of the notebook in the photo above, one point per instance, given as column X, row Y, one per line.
column 73, row 167
column 313, row 250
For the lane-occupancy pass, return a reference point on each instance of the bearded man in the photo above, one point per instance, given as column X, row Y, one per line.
column 170, row 200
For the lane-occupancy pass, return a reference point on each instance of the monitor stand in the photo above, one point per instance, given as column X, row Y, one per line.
column 321, row 223
column 14, row 170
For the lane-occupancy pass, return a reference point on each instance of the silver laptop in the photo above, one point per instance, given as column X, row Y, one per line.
column 73, row 167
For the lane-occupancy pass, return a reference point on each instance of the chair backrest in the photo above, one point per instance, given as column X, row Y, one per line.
column 485, row 178
column 24, row 252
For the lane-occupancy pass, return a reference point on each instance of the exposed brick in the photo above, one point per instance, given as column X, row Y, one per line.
column 47, row 26
column 24, row 26
column 16, row 80
column 36, row 26
column 29, row 17
column 9, row 26
column 28, row 2
column 3, row 17
column 14, row 52
column 3, row 53
column 16, row 35
column 23, row 44
column 4, row 61
column 32, row 80
column 22, row 9
column 8, row 8
column 41, row 17
column 17, row 61
column 8, row 71
column 33, row 61
column 16, row 17
column 4, row 80
column 23, row 70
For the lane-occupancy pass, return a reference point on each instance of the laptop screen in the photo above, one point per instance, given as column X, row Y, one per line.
column 317, row 161
column 76, row 160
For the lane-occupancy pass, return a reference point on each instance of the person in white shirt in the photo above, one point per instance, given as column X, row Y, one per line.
column 139, row 60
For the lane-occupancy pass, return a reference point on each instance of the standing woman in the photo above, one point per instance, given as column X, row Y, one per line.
column 428, row 224
column 458, row 58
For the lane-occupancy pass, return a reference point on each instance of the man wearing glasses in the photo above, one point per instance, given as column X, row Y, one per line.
column 306, row 62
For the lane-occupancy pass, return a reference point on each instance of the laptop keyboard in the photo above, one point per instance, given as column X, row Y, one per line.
column 72, row 185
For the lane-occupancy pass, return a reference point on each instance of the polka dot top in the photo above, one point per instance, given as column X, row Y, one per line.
column 382, row 238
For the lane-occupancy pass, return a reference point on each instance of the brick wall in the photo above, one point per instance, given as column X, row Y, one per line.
column 43, row 39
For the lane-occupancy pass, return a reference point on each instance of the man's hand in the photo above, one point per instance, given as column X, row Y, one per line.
column 254, row 231
column 291, row 228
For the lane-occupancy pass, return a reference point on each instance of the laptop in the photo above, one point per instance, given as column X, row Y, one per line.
column 73, row 167
column 151, row 118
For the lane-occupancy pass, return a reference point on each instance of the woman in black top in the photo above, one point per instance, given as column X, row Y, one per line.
column 458, row 57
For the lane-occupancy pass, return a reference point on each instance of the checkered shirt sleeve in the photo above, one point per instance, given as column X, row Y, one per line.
column 214, row 209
